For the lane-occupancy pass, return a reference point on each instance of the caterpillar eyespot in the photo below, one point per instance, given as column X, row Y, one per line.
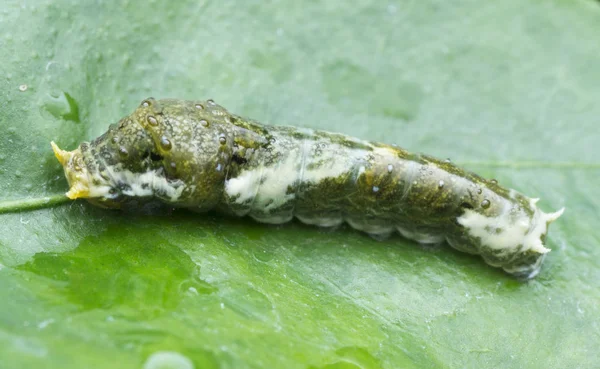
column 197, row 155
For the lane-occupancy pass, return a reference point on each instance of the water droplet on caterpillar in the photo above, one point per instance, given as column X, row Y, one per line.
column 390, row 168
column 165, row 143
column 123, row 151
column 222, row 139
column 152, row 120
column 204, row 123
column 441, row 184
column 485, row 203
column 375, row 189
column 199, row 106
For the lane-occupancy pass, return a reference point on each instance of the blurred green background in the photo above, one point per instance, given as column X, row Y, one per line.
column 509, row 89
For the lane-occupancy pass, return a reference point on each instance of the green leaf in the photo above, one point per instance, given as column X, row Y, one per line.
column 508, row 88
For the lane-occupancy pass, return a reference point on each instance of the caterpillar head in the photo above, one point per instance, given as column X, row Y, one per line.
column 112, row 168
column 165, row 149
column 75, row 171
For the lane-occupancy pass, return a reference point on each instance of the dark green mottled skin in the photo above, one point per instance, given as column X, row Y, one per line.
column 201, row 146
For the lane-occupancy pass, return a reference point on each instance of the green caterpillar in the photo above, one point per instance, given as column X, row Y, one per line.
column 196, row 155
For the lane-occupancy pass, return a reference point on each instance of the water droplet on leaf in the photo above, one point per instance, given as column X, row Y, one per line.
column 168, row 360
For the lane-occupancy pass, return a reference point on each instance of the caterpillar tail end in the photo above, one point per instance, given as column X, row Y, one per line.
column 551, row 217
column 547, row 219
column 534, row 242
column 76, row 176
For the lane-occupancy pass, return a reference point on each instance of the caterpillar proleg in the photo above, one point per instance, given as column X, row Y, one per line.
column 197, row 155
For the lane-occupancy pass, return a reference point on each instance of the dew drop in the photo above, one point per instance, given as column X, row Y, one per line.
column 262, row 255
column 114, row 140
column 145, row 103
column 494, row 181
column 375, row 189
column 204, row 123
column 199, row 106
column 152, row 121
column 23, row 88
column 168, row 360
column 222, row 139
column 441, row 184
column 485, row 203
column 211, row 102
column 173, row 165
column 479, row 191
column 447, row 160
column 165, row 143
column 123, row 151
column 219, row 167
column 390, row 167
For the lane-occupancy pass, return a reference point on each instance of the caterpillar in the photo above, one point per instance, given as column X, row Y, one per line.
column 197, row 155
